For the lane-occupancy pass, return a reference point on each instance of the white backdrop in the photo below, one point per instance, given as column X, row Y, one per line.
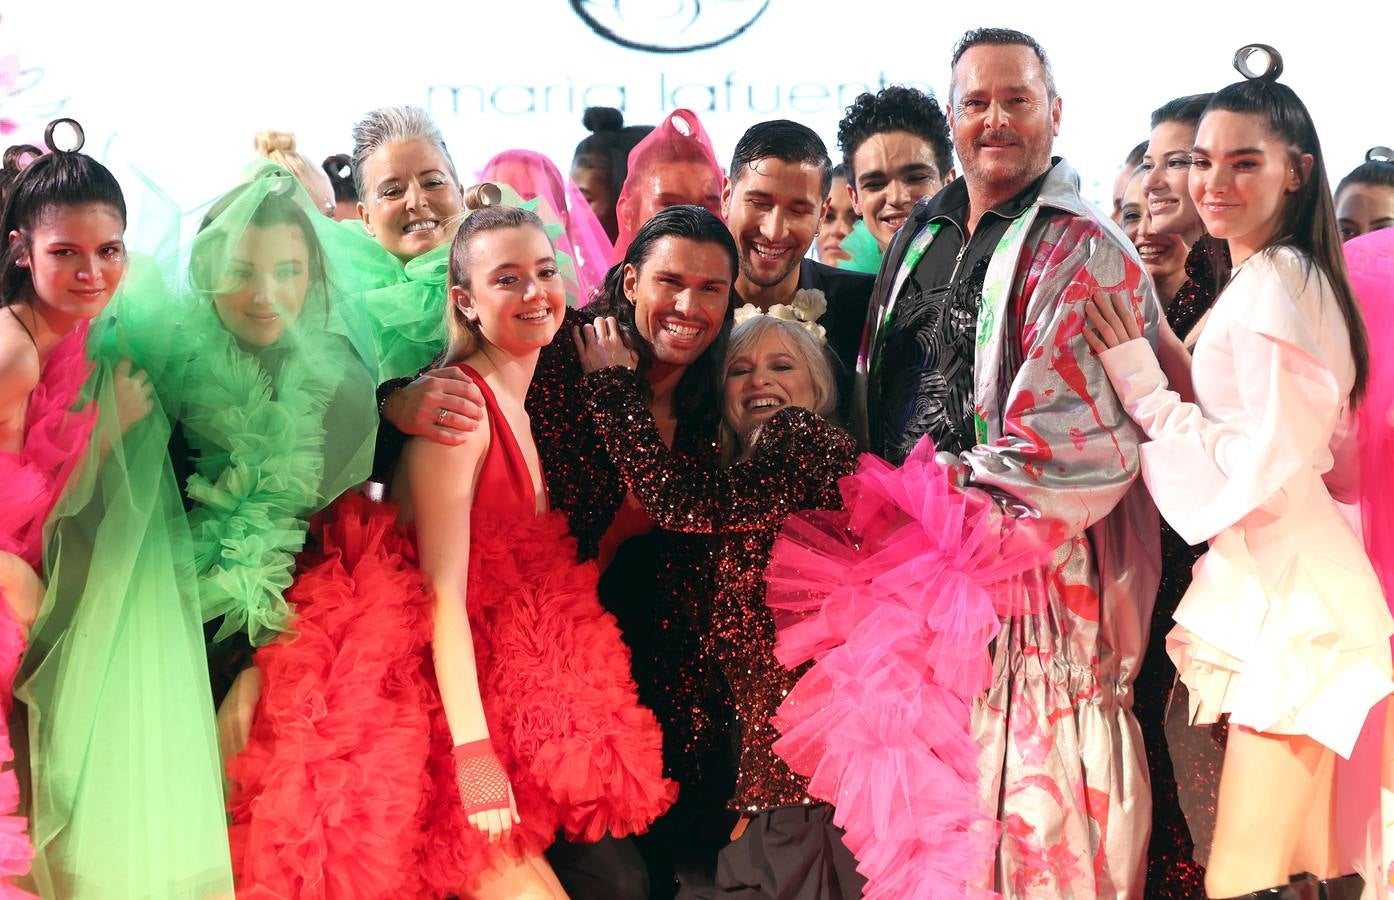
column 178, row 89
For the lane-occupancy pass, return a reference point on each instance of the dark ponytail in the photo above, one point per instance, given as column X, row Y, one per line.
column 1308, row 220
column 52, row 180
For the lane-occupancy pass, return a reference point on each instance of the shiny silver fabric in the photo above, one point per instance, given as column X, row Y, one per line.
column 1062, row 763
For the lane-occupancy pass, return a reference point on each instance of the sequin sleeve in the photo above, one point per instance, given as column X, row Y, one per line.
column 797, row 455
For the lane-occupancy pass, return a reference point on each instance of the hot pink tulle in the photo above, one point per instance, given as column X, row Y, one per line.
column 347, row 786
column 678, row 139
column 1370, row 262
column 896, row 600
column 534, row 175
column 55, row 438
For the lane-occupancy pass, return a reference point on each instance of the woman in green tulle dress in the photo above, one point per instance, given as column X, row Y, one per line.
column 264, row 371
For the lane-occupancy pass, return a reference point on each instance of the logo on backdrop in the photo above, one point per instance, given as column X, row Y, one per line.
column 676, row 26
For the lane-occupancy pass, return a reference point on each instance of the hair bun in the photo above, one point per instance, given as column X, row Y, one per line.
column 79, row 136
column 339, row 166
column 481, row 195
column 267, row 142
column 602, row 118
column 1374, row 154
column 14, row 154
column 1272, row 68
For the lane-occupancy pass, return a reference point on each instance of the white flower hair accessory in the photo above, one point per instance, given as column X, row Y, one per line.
column 808, row 304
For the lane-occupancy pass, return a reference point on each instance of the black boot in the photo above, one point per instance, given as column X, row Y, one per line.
column 1296, row 890
column 1345, row 887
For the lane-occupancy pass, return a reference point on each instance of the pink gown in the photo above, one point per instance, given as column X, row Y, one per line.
column 55, row 437
column 347, row 786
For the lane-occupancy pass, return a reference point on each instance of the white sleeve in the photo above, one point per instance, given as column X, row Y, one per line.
column 1205, row 475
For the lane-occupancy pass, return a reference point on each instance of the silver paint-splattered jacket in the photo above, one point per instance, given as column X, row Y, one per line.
column 1062, row 765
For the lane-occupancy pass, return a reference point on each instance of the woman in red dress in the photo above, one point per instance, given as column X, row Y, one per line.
column 460, row 620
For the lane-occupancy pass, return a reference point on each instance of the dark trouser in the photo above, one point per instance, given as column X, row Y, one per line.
column 609, row 869
column 790, row 853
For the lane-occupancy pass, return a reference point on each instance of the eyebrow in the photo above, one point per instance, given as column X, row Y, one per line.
column 1242, row 151
column 541, row 260
column 681, row 276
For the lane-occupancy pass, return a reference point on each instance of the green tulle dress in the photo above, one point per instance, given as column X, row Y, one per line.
column 126, row 795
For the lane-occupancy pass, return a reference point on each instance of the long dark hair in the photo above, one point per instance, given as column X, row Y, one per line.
column 55, row 179
column 1307, row 222
column 698, row 391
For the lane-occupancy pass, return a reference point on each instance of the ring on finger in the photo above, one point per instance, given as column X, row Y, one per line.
column 440, row 416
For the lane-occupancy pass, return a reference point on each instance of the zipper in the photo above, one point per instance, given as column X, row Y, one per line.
column 958, row 261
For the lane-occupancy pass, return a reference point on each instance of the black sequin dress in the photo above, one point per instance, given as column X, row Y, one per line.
column 1172, row 869
column 795, row 466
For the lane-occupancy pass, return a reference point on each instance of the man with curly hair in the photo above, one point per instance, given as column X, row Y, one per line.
column 896, row 148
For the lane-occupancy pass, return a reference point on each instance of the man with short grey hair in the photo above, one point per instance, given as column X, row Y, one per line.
column 974, row 340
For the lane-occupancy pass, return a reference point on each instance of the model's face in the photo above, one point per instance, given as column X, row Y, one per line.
column 680, row 296
column 594, row 184
column 1163, row 255
column 672, row 184
column 1166, row 169
column 515, row 292
column 771, row 375
column 76, row 256
column 1362, row 208
column 1003, row 119
column 839, row 217
column 892, row 170
column 773, row 209
column 411, row 197
column 264, row 285
column 1241, row 177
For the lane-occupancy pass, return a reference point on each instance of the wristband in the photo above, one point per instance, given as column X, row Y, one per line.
column 480, row 776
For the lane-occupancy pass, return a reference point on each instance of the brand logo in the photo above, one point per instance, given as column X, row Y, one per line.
column 670, row 26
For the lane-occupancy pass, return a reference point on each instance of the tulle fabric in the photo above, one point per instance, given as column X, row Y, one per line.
column 864, row 254
column 56, row 435
column 533, row 175
column 126, row 797
column 347, row 787
column 680, row 138
column 1370, row 262
column 896, row 600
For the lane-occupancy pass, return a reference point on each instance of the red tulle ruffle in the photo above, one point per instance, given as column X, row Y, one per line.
column 347, row 787
column 896, row 600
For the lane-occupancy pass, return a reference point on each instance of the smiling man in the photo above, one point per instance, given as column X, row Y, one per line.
column 773, row 202
column 896, row 149
column 974, row 341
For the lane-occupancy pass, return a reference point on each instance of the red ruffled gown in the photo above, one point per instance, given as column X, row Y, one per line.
column 55, row 438
column 346, row 788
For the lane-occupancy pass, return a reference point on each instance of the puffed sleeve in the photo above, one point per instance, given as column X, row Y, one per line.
column 1207, row 475
column 798, row 455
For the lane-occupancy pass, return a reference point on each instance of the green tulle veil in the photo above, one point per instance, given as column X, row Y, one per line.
column 865, row 253
column 126, row 793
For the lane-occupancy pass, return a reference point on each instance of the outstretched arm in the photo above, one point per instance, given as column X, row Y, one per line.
column 796, row 454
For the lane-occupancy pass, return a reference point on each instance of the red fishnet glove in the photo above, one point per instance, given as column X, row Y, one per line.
column 480, row 776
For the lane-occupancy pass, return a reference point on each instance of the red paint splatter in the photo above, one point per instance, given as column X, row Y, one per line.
column 1077, row 437
column 1097, row 802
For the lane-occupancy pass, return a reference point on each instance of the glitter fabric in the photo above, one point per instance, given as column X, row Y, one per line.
column 1172, row 870
column 1208, row 257
column 795, row 466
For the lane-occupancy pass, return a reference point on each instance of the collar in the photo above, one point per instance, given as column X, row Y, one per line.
column 951, row 203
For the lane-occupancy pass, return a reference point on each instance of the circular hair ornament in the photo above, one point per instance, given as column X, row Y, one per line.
column 15, row 161
column 79, row 136
column 483, row 194
column 1374, row 154
column 1250, row 56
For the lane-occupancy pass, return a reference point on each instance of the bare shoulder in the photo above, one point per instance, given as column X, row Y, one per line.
column 19, row 365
